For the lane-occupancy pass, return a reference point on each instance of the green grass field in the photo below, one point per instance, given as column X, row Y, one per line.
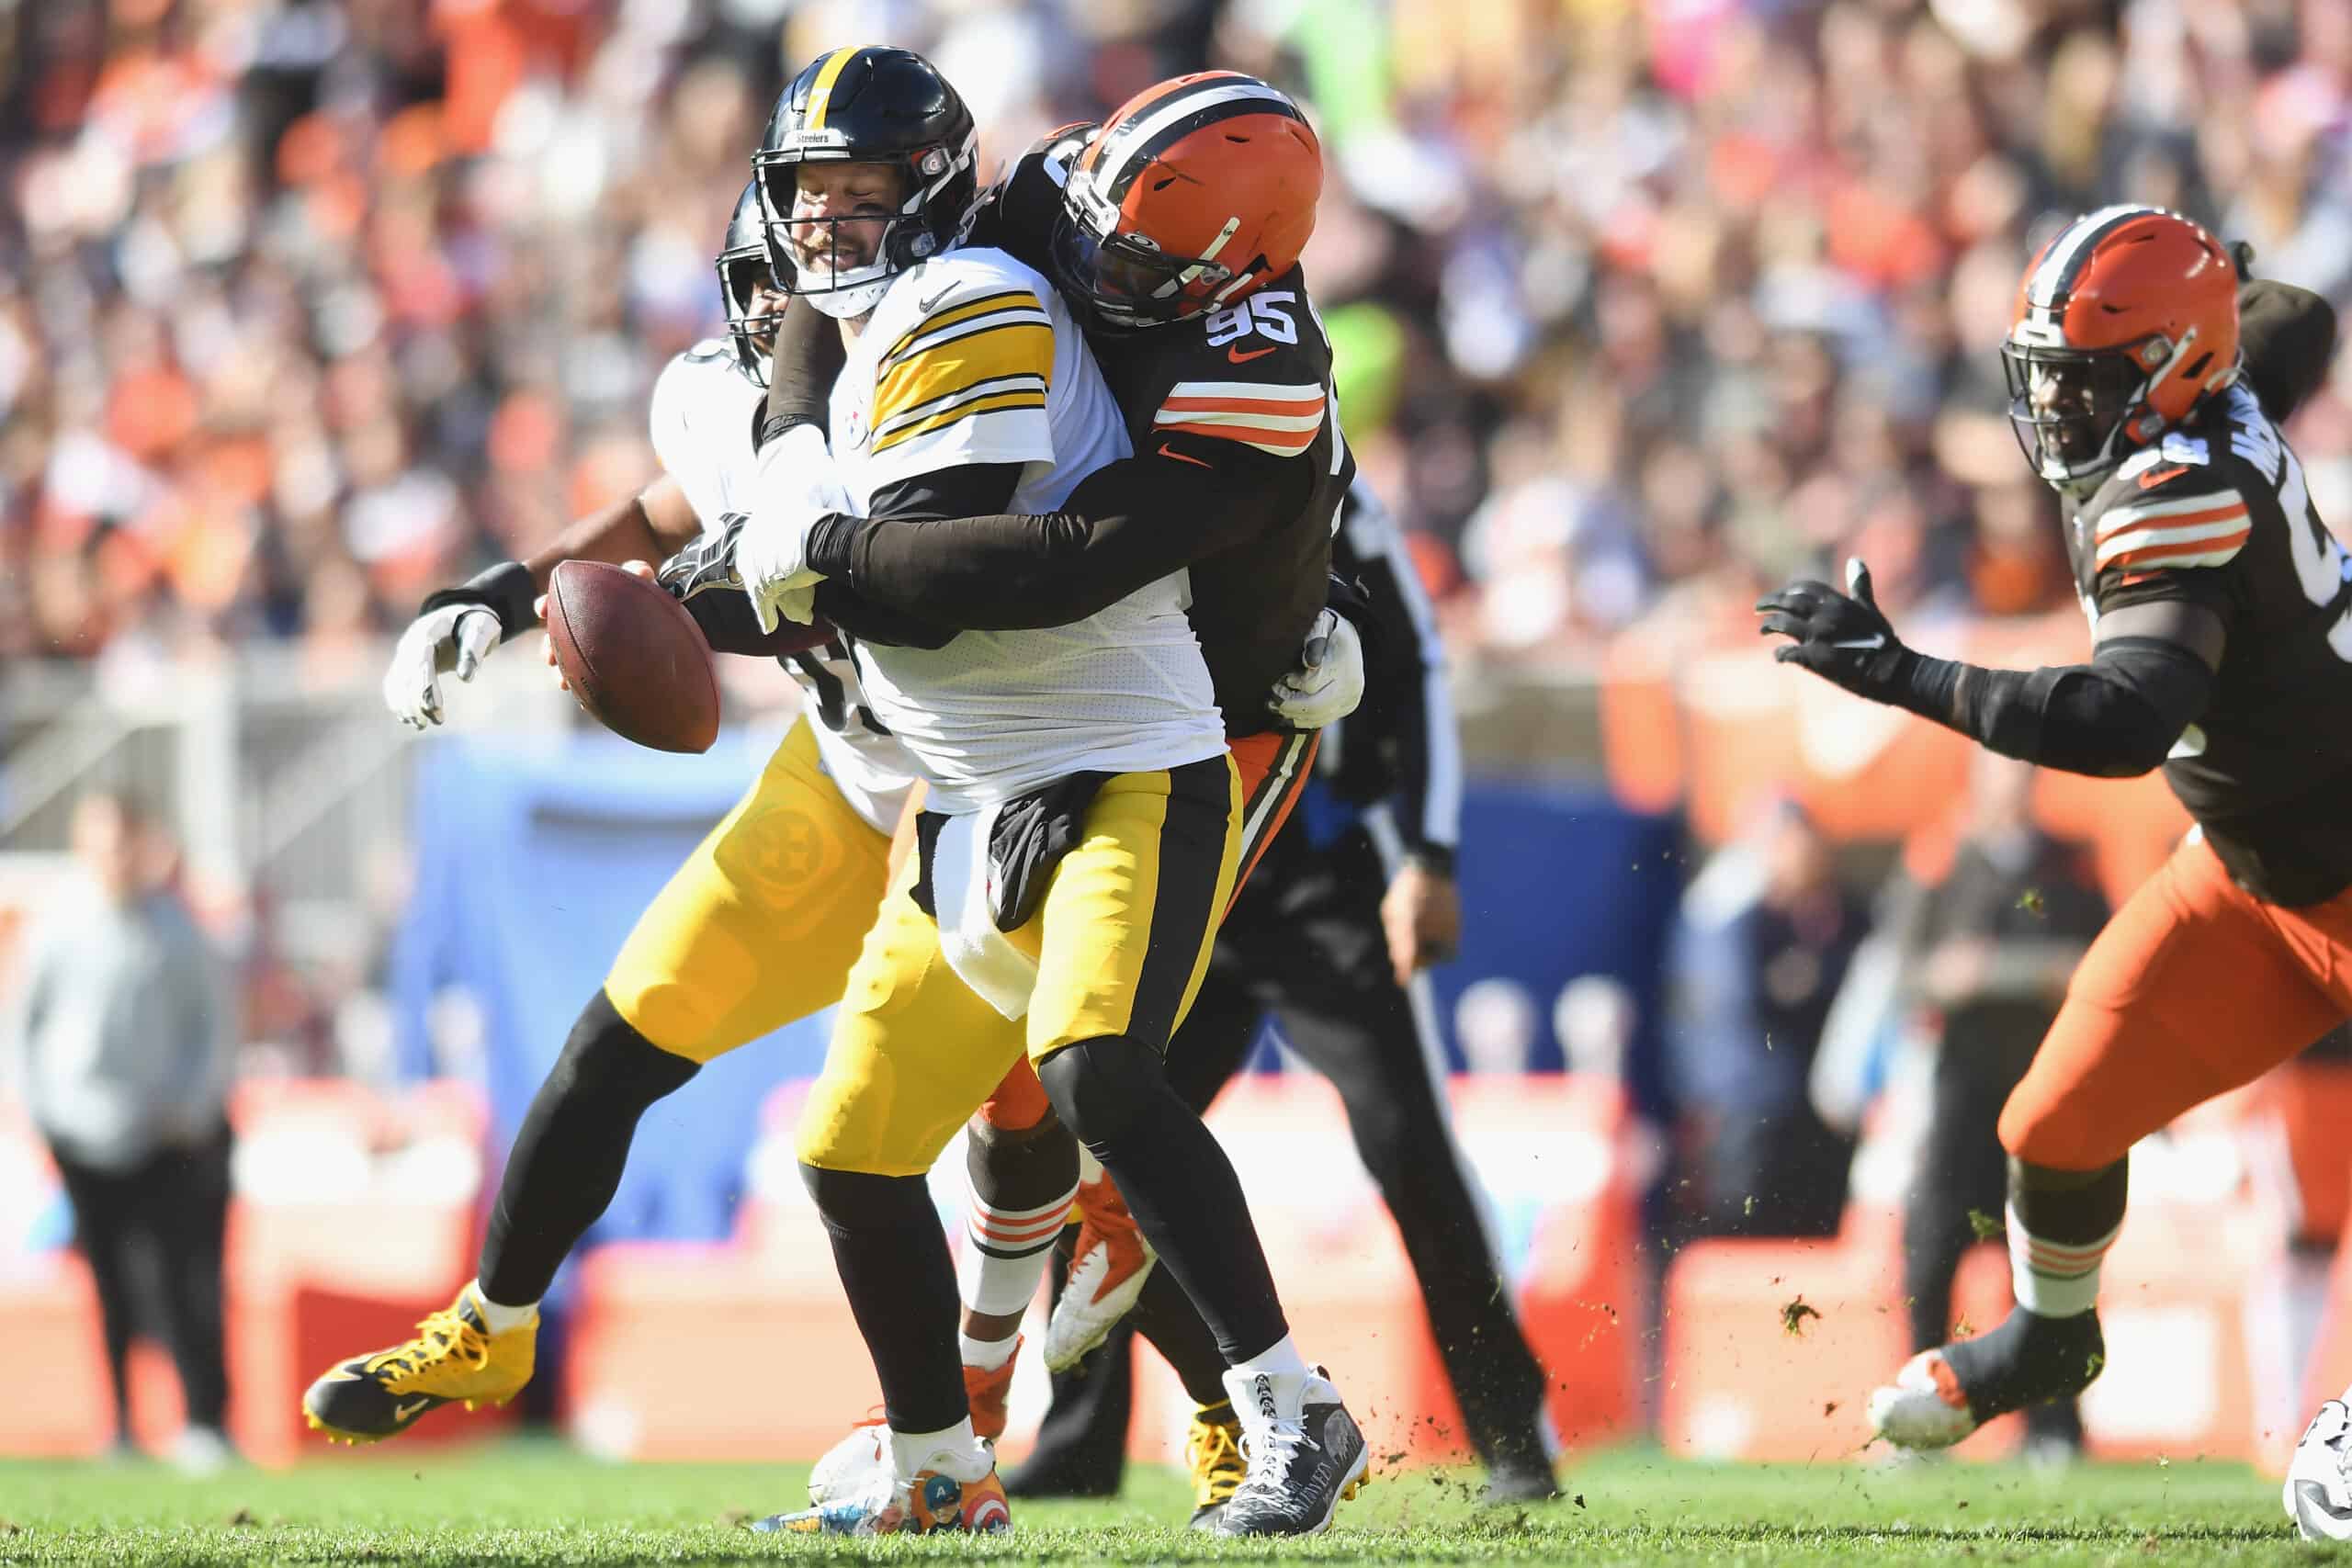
column 527, row 1503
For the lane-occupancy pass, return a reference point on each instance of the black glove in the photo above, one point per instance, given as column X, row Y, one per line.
column 1841, row 638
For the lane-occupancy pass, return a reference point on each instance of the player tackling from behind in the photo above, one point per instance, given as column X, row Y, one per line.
column 2221, row 610
column 1086, row 826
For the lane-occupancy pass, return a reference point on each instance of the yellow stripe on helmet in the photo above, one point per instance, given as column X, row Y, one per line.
column 821, row 92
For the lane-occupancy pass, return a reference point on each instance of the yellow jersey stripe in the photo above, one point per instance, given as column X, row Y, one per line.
column 1002, row 299
column 1016, row 348
column 821, row 92
column 1002, row 400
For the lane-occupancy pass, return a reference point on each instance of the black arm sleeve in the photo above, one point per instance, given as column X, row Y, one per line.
column 2287, row 335
column 2115, row 717
column 1400, row 745
column 505, row 589
column 804, row 358
column 1127, row 524
column 944, row 493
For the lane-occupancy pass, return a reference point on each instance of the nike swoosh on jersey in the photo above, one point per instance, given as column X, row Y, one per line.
column 1168, row 451
column 2156, row 476
column 1237, row 357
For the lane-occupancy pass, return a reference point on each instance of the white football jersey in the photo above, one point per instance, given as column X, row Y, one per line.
column 972, row 358
column 703, row 414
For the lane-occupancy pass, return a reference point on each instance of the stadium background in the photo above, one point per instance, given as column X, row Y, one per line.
column 308, row 307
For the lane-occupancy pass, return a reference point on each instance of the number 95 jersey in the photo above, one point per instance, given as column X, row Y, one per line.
column 2218, row 514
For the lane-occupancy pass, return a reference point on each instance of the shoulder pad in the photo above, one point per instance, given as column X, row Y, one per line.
column 963, row 295
column 2188, row 517
column 2178, row 449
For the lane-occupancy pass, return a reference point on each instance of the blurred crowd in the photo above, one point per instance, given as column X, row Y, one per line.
column 312, row 304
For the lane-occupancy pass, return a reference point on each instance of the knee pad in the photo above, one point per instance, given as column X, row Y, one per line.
column 1099, row 1086
column 607, row 1057
column 1015, row 1171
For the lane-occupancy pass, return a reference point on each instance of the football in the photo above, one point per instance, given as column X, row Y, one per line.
column 633, row 656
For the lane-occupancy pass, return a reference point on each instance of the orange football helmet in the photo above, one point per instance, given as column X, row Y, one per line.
column 2124, row 324
column 1192, row 193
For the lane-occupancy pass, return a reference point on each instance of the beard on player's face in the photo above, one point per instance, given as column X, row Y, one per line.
column 840, row 216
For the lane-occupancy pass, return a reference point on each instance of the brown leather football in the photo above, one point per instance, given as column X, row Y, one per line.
column 634, row 657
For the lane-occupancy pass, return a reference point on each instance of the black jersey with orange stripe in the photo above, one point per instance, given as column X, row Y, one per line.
column 2218, row 514
column 1247, row 392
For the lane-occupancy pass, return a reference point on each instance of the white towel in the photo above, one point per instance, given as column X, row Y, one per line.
column 982, row 956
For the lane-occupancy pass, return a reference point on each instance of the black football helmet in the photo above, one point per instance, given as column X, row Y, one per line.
column 869, row 105
column 743, row 271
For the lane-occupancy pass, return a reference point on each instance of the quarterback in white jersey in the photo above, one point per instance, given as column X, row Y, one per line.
column 972, row 359
column 1083, row 832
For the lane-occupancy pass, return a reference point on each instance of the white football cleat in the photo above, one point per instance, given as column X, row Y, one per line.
column 1923, row 1407
column 852, row 1466
column 1106, row 1275
column 2317, row 1493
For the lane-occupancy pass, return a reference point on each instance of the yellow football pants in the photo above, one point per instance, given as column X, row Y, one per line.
column 1121, row 938
column 762, row 923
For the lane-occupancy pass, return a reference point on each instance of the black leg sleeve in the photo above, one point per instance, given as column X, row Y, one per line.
column 1178, row 1183
column 901, row 1285
column 1203, row 1058
column 568, row 1157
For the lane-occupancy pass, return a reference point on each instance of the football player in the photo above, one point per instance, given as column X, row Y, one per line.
column 1173, row 230
column 719, row 957
column 2221, row 610
column 1086, row 825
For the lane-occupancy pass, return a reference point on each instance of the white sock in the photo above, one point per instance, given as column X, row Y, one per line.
column 1279, row 1359
column 1002, row 1267
column 498, row 1318
column 2052, row 1279
column 987, row 1354
column 951, row 1450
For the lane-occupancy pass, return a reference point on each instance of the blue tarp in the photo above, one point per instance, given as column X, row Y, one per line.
column 533, row 860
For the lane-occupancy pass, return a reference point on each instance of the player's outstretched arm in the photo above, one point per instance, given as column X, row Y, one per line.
column 457, row 628
column 1126, row 525
column 2117, row 716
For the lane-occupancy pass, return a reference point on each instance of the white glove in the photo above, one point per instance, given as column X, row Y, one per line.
column 1328, row 682
column 797, row 486
column 454, row 639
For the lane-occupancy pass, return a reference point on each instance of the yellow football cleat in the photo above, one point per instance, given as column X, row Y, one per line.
column 453, row 1357
column 1213, row 1453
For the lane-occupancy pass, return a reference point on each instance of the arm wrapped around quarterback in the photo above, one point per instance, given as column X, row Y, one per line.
column 1126, row 525
column 803, row 361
